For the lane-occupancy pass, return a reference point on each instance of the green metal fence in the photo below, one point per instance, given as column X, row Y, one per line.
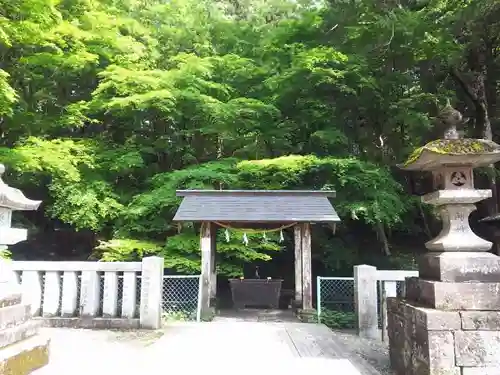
column 181, row 297
column 334, row 294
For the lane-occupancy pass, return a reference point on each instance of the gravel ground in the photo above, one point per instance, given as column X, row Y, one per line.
column 375, row 352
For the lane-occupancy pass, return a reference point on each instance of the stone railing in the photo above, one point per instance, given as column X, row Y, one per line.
column 370, row 287
column 94, row 294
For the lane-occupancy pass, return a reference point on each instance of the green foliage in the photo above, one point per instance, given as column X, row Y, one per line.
column 363, row 189
column 116, row 250
column 181, row 251
column 5, row 253
column 366, row 192
column 178, row 316
column 107, row 107
column 88, row 205
column 338, row 319
column 7, row 95
column 151, row 211
column 62, row 159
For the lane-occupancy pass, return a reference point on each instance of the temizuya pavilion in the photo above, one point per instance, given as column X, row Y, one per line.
column 257, row 209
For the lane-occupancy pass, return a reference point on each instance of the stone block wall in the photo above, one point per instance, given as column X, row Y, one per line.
column 448, row 322
column 427, row 341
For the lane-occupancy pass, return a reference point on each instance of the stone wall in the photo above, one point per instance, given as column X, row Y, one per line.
column 446, row 328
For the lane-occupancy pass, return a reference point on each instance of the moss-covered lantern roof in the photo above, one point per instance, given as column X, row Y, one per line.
column 453, row 152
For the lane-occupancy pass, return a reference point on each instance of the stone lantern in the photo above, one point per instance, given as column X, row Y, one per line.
column 448, row 323
column 22, row 350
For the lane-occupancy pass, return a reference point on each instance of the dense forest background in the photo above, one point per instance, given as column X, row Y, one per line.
column 108, row 106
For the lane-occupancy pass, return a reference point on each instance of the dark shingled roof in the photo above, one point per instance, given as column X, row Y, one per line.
column 262, row 206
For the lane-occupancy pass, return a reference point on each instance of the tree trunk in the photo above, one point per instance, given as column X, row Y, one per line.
column 474, row 87
column 427, row 229
column 379, row 227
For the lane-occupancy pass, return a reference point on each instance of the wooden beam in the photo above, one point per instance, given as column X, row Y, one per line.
column 306, row 267
column 298, row 263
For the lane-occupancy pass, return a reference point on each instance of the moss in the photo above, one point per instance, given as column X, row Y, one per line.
column 10, row 300
column 26, row 362
column 466, row 146
column 288, row 162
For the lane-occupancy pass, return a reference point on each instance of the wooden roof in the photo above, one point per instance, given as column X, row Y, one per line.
column 256, row 206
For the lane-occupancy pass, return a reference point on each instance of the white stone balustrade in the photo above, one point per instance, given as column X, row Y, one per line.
column 100, row 293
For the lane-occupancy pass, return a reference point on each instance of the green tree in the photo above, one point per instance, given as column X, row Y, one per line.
column 108, row 106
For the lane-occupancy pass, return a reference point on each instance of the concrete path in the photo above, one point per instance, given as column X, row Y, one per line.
column 252, row 347
column 224, row 347
column 89, row 352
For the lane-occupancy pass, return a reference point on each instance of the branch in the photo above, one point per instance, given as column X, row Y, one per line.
column 333, row 28
column 465, row 87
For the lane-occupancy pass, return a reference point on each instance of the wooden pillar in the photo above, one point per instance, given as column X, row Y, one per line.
column 298, row 264
column 306, row 267
column 206, row 246
column 213, row 264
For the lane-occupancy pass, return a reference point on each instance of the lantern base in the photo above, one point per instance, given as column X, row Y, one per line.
column 459, row 266
column 459, row 242
column 453, row 295
column 426, row 341
column 457, row 234
column 448, row 321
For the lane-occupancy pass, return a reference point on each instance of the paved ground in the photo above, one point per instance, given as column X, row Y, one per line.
column 227, row 345
column 90, row 352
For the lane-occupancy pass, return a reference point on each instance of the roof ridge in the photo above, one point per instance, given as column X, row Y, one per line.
column 326, row 193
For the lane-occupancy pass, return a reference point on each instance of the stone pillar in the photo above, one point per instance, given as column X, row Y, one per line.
column 32, row 291
column 52, row 294
column 129, row 301
column 151, row 292
column 69, row 303
column 448, row 323
column 90, row 294
column 110, row 295
column 365, row 301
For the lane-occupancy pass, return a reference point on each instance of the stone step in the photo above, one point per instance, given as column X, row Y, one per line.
column 25, row 357
column 13, row 315
column 18, row 333
column 10, row 299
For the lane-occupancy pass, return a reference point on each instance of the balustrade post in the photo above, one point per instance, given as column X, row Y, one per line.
column 151, row 292
column 365, row 301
